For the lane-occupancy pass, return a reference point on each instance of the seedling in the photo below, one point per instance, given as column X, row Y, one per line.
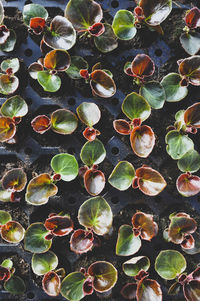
column 8, row 81
column 190, row 39
column 12, row 183
column 129, row 237
column 170, row 265
column 7, row 36
column 143, row 288
column 62, row 121
column 12, row 284
column 147, row 13
column 142, row 137
column 101, row 277
column 141, row 68
column 86, row 16
column 12, row 110
column 11, row 231
column 148, row 180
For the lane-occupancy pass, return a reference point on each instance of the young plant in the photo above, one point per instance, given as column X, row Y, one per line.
column 143, row 288
column 148, row 180
column 12, row 110
column 170, row 265
column 175, row 84
column 92, row 153
column 86, row 16
column 150, row 13
column 12, row 284
column 100, row 277
column 141, row 68
column 62, row 121
column 7, row 36
column 129, row 237
column 8, row 81
column 12, row 183
column 11, row 231
column 190, row 39
column 45, row 70
column 101, row 81
column 43, row 186
column 142, row 138
column 60, row 34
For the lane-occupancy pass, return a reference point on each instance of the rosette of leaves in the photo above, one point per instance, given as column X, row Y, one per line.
column 143, row 288
column 141, row 68
column 7, row 36
column 12, row 284
column 11, row 231
column 59, row 35
column 175, row 84
column 89, row 114
column 170, row 265
column 147, row 179
column 100, row 277
column 142, row 138
column 12, row 183
column 43, row 186
column 11, row 113
column 92, row 154
column 100, row 80
column 129, row 237
column 62, row 121
column 45, row 70
column 96, row 216
column 190, row 39
column 86, row 16
column 8, row 81
column 148, row 13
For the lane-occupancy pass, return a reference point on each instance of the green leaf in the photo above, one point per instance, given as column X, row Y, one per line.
column 4, row 217
column 10, row 63
column 72, row 286
column 32, row 11
column 124, row 25
column 89, row 113
column 14, row 107
column 49, row 82
column 190, row 42
column 43, row 263
column 96, row 214
column 65, row 165
column 190, row 162
column 34, row 239
column 177, row 144
column 9, row 45
column 173, row 90
column 15, row 285
column 77, row 63
column 134, row 265
column 135, row 106
column 63, row 122
column 93, row 152
column 169, row 264
column 122, row 175
column 154, row 93
column 127, row 243
column 107, row 41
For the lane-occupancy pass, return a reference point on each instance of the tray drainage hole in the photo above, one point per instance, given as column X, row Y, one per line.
column 115, row 150
column 28, row 151
column 28, row 52
column 71, row 101
column 158, row 52
column 71, row 200
column 30, row 295
column 115, row 200
column 71, row 150
column 114, row 3
column 115, row 101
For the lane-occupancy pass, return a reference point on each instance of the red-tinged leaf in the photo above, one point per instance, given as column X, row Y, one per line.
column 192, row 115
column 41, row 124
column 37, row 25
column 188, row 242
column 149, row 289
column 51, row 284
column 145, row 223
column 89, row 134
column 87, row 287
column 4, row 273
column 142, row 140
column 190, row 68
column 142, row 66
column 4, row 34
column 7, row 128
column 59, row 225
column 188, row 185
column 150, row 181
column 81, row 241
column 129, row 291
column 192, row 18
column 96, row 29
column 102, row 84
column 94, row 181
column 192, row 290
column 122, row 126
